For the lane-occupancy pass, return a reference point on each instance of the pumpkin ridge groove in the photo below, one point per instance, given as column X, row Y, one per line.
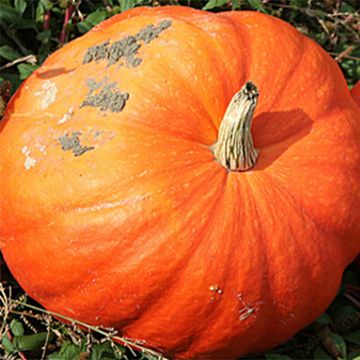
column 148, row 312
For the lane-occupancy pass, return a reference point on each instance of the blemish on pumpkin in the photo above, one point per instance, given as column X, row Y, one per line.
column 42, row 148
column 96, row 53
column 151, row 32
column 246, row 312
column 247, row 309
column 47, row 93
column 215, row 289
column 107, row 98
column 29, row 161
column 72, row 142
column 67, row 116
column 125, row 49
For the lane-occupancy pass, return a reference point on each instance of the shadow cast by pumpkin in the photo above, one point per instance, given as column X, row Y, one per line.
column 275, row 132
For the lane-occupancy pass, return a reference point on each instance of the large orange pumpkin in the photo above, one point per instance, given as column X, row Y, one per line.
column 118, row 209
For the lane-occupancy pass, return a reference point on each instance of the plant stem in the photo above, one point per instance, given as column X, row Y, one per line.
column 31, row 59
column 124, row 341
column 47, row 17
column 234, row 148
column 68, row 13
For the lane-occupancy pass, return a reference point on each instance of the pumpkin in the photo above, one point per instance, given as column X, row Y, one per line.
column 191, row 179
column 355, row 92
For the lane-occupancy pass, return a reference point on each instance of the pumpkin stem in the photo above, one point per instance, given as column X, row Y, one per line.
column 234, row 148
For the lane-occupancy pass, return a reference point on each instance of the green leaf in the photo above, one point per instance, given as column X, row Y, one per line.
column 212, row 4
column 47, row 4
column 23, row 24
column 354, row 355
column 99, row 351
column 257, row 5
column 340, row 344
column 126, row 4
column 20, row 6
column 17, row 327
column 26, row 70
column 83, row 27
column 96, row 17
column 68, row 351
column 235, row 4
column 40, row 12
column 9, row 53
column 146, row 356
column 353, row 337
column 298, row 3
column 321, row 354
column 11, row 16
column 7, row 344
column 8, row 13
column 324, row 319
column 30, row 342
column 106, row 351
column 342, row 313
column 91, row 20
column 44, row 35
column 273, row 356
column 344, row 7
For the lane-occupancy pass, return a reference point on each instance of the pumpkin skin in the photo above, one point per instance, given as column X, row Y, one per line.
column 125, row 219
column 355, row 92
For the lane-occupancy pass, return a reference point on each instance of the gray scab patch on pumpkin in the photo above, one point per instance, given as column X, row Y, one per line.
column 105, row 96
column 72, row 142
column 151, row 32
column 96, row 53
column 125, row 50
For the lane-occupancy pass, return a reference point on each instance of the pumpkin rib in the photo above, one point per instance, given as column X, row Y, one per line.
column 178, row 275
column 209, row 328
column 168, row 132
column 267, row 262
column 301, row 40
column 324, row 218
column 95, row 206
column 247, row 40
column 220, row 64
column 244, row 42
column 111, row 264
column 309, row 219
column 220, row 60
column 287, row 198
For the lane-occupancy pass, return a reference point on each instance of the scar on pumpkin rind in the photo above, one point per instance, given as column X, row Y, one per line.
column 72, row 142
column 105, row 96
column 126, row 48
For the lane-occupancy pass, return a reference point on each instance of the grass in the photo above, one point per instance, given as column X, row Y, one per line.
column 30, row 31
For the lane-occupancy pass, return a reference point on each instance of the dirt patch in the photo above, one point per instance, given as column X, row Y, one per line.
column 125, row 51
column 72, row 142
column 105, row 96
